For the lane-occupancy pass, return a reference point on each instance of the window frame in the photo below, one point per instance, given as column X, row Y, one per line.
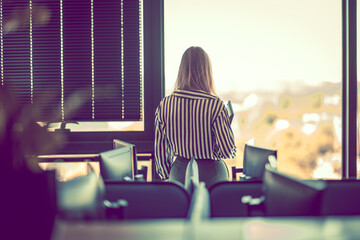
column 349, row 90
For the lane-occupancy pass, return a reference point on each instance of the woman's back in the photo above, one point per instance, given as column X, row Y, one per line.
column 188, row 118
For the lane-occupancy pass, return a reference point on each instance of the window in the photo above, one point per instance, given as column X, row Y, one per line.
column 76, row 60
column 280, row 63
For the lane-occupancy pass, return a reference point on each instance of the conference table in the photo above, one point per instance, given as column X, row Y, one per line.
column 254, row 228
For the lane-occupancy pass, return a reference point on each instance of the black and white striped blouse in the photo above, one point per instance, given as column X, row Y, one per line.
column 191, row 123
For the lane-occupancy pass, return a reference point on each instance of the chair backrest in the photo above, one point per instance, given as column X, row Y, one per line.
column 288, row 196
column 147, row 200
column 119, row 162
column 341, row 197
column 81, row 197
column 255, row 159
column 225, row 197
column 191, row 175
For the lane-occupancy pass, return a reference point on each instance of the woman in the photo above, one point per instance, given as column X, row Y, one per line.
column 193, row 122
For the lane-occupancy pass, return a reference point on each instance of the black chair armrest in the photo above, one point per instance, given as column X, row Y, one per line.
column 255, row 206
column 115, row 210
column 143, row 171
column 234, row 171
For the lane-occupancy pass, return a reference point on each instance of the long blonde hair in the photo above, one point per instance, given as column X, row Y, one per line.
column 195, row 72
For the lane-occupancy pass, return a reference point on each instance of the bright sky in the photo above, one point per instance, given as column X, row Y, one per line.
column 257, row 44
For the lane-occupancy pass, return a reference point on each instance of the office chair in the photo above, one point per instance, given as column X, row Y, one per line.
column 254, row 160
column 147, row 200
column 225, row 197
column 341, row 198
column 288, row 196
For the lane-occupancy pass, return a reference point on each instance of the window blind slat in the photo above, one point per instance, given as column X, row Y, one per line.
column 46, row 61
column 108, row 70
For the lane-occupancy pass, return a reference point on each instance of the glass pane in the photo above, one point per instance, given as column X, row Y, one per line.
column 279, row 62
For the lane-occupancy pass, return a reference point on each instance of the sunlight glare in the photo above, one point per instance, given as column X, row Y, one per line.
column 251, row 100
column 282, row 124
column 309, row 128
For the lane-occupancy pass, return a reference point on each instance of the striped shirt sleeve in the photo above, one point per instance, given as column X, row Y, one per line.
column 224, row 137
column 161, row 148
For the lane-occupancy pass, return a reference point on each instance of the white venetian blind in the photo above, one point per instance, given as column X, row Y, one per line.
column 75, row 60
